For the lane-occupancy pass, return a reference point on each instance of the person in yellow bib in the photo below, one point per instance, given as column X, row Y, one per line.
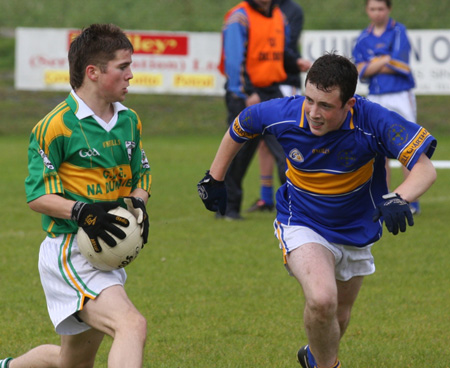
column 289, row 87
column 255, row 59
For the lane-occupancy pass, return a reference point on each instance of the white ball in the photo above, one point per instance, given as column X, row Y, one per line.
column 112, row 258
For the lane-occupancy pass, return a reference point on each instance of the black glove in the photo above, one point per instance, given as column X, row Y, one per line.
column 136, row 206
column 213, row 194
column 95, row 220
column 394, row 210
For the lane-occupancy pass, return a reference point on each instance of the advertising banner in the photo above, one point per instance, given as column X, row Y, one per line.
column 186, row 62
column 429, row 59
column 163, row 62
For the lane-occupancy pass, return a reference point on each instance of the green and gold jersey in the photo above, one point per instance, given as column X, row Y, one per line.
column 76, row 155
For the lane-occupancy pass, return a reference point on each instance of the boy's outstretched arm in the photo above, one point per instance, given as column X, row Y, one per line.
column 211, row 188
column 227, row 150
column 419, row 180
column 394, row 210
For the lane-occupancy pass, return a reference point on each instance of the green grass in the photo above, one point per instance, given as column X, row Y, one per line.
column 216, row 293
column 173, row 115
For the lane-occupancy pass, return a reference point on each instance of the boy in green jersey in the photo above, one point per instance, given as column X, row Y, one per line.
column 85, row 158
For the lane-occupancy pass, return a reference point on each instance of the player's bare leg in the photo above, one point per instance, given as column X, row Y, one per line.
column 41, row 356
column 114, row 314
column 75, row 351
column 80, row 350
column 313, row 266
column 347, row 293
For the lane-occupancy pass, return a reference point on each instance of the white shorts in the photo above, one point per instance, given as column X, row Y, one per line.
column 288, row 90
column 350, row 261
column 69, row 281
column 403, row 103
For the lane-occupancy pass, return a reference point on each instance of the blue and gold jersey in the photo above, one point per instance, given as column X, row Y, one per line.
column 74, row 155
column 335, row 180
column 394, row 42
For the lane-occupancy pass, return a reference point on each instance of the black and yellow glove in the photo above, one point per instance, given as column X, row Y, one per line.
column 97, row 222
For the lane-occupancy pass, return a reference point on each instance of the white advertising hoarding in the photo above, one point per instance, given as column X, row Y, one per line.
column 186, row 62
column 430, row 56
column 163, row 62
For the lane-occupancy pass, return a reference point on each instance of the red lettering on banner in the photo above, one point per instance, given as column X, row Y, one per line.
column 154, row 44
column 43, row 61
column 159, row 44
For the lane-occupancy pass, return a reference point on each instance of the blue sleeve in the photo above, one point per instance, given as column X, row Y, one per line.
column 361, row 56
column 358, row 51
column 235, row 36
column 400, row 51
column 247, row 124
column 268, row 117
column 396, row 137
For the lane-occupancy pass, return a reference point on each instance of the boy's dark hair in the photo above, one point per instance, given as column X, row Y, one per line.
column 387, row 2
column 96, row 45
column 332, row 70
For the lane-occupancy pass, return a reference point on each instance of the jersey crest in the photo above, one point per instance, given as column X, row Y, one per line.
column 296, row 155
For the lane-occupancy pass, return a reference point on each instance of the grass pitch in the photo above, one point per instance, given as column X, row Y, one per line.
column 216, row 294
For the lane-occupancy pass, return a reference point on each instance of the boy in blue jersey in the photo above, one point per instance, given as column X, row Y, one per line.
column 331, row 208
column 90, row 140
column 381, row 54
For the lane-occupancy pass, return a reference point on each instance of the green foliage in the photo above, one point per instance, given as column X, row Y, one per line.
column 196, row 15
column 7, row 59
column 216, row 294
column 350, row 14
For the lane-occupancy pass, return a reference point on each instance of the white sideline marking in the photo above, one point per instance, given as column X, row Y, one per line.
column 439, row 199
column 442, row 164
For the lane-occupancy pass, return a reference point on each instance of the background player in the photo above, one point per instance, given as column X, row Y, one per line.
column 84, row 157
column 381, row 54
column 289, row 87
column 331, row 208
column 254, row 59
